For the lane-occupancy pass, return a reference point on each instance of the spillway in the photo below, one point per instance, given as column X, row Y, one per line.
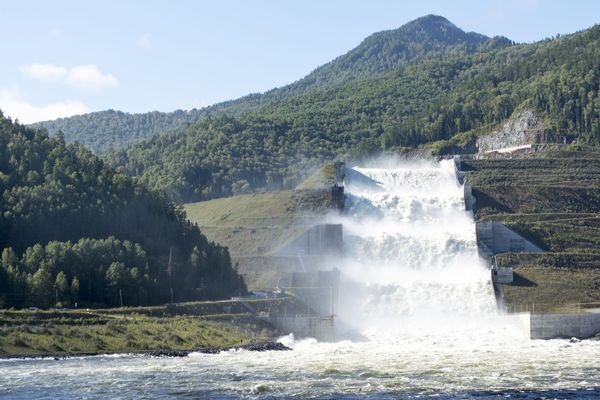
column 411, row 251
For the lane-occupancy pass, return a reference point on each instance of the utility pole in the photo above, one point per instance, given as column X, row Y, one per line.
column 170, row 272
column 331, row 295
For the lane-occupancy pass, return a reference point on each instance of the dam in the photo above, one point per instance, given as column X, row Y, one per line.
column 409, row 252
column 416, row 318
column 411, row 247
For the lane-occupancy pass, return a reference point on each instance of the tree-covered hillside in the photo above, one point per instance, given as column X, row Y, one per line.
column 383, row 51
column 379, row 53
column 73, row 229
column 109, row 130
column 445, row 99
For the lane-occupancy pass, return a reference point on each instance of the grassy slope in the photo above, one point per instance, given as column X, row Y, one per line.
column 258, row 224
column 553, row 199
column 254, row 226
column 180, row 327
column 556, row 281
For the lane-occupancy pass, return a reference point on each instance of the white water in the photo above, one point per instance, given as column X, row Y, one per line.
column 416, row 297
column 411, row 249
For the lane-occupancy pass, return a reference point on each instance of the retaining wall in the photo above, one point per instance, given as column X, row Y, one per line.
column 549, row 326
column 500, row 239
column 320, row 239
column 320, row 328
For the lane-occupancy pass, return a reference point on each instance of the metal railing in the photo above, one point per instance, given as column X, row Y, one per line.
column 552, row 308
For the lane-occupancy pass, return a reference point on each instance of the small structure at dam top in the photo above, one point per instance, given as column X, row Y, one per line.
column 337, row 190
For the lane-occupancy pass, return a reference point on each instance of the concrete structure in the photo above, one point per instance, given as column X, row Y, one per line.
column 318, row 290
column 339, row 173
column 337, row 189
column 337, row 198
column 549, row 326
column 467, row 188
column 320, row 328
column 469, row 198
column 457, row 162
column 494, row 238
column 502, row 275
column 323, row 239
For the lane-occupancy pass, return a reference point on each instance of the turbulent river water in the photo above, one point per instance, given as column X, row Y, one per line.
column 417, row 319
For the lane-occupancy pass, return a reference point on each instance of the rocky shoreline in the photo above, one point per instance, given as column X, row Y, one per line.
column 259, row 346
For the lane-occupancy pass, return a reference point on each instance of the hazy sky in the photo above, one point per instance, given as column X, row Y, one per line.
column 68, row 57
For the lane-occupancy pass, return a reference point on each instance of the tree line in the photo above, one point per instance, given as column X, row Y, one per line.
column 101, row 272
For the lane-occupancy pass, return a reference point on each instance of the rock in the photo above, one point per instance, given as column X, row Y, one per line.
column 262, row 346
column 527, row 128
column 267, row 346
column 574, row 340
column 167, row 353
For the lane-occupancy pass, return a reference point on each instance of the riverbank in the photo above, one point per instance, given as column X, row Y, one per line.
column 74, row 333
column 259, row 347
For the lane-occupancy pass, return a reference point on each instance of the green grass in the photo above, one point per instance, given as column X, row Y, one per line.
column 553, row 290
column 320, row 179
column 552, row 282
column 184, row 326
column 556, row 232
column 259, row 223
column 536, row 185
column 255, row 226
column 128, row 333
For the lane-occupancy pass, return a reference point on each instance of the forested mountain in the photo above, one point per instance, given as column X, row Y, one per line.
column 109, row 130
column 379, row 53
column 443, row 99
column 73, row 229
column 383, row 51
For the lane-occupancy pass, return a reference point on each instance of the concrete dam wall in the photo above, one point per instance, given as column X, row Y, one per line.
column 550, row 326
column 495, row 238
column 323, row 239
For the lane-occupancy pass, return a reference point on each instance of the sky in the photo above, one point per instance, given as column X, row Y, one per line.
column 62, row 58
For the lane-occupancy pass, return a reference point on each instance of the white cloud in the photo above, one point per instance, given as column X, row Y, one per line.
column 44, row 72
column 13, row 105
column 144, row 41
column 85, row 77
column 89, row 77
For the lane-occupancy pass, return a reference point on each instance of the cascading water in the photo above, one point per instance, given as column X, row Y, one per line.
column 411, row 250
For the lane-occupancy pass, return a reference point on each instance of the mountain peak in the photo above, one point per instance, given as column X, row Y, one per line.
column 430, row 19
column 380, row 52
column 437, row 29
